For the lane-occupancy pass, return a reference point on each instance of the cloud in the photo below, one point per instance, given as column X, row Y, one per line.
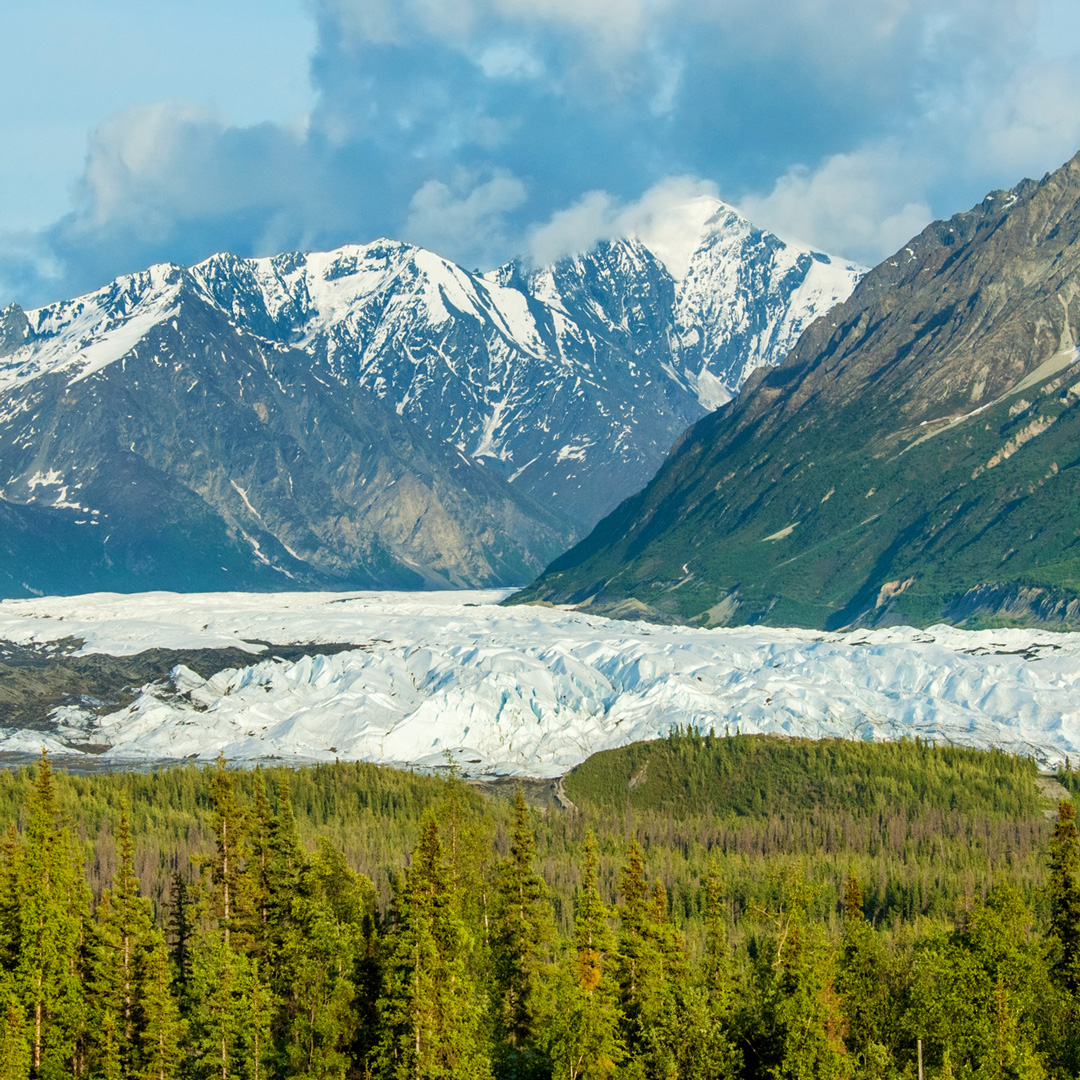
column 488, row 128
column 468, row 218
column 857, row 204
column 668, row 219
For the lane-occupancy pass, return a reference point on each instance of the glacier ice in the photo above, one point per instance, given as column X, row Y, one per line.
column 532, row 691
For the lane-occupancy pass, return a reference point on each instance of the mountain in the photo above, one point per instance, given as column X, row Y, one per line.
column 912, row 460
column 374, row 416
column 159, row 445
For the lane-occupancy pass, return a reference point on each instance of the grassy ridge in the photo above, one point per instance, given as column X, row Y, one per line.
column 689, row 774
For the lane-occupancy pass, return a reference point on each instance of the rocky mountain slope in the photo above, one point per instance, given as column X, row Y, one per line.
column 372, row 416
column 169, row 448
column 913, row 459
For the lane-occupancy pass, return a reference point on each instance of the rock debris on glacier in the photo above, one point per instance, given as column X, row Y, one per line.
column 534, row 691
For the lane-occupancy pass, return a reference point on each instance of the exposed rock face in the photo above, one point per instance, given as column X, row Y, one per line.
column 372, row 416
column 207, row 457
column 917, row 444
column 14, row 329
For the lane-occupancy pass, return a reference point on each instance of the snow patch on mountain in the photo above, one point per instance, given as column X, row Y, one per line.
column 534, row 691
column 90, row 333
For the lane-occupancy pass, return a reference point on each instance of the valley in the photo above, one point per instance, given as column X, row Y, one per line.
column 407, row 678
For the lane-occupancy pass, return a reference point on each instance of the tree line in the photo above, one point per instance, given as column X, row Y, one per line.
column 273, row 956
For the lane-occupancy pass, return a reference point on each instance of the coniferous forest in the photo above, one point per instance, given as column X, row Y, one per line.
column 697, row 907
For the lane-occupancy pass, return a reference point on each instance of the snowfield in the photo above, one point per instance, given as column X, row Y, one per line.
column 533, row 691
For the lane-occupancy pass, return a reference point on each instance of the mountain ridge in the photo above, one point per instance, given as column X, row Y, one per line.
column 545, row 395
column 909, row 456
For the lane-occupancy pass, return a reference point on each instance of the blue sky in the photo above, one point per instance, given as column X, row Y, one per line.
column 138, row 131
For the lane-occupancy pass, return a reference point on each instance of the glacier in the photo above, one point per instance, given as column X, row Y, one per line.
column 530, row 691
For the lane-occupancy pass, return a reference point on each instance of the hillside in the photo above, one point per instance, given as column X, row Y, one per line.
column 690, row 774
column 913, row 460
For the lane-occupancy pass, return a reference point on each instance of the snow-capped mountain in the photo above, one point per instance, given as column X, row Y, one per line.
column 536, row 400
column 745, row 300
column 171, row 447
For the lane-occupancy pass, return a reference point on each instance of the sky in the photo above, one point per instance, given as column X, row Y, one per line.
column 140, row 131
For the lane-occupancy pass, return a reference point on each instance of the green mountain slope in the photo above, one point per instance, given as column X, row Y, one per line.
column 914, row 459
column 743, row 776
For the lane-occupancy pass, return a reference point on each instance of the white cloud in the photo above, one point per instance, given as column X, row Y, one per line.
column 862, row 205
column 509, row 60
column 668, row 219
column 465, row 220
column 1033, row 120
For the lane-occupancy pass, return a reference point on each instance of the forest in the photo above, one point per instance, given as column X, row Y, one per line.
column 699, row 907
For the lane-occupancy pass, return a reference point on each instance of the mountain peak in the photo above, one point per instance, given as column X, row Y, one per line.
column 676, row 234
column 912, row 460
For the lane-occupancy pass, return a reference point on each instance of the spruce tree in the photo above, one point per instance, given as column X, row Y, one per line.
column 160, row 1028
column 323, row 950
column 582, row 1036
column 521, row 942
column 717, row 960
column 431, row 1007
column 14, row 1040
column 798, row 1028
column 1064, row 890
column 181, row 929
column 53, row 909
column 225, row 866
column 11, row 855
column 286, row 863
column 123, row 930
column 218, row 1014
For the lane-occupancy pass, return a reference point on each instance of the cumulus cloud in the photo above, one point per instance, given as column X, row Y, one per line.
column 468, row 218
column 857, row 204
column 668, row 219
column 491, row 128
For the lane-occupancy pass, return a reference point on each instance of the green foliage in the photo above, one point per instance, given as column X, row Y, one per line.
column 762, row 776
column 431, row 1008
column 1064, row 891
column 662, row 930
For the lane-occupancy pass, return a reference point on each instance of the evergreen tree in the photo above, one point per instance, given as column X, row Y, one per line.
column 431, row 1008
column 865, row 983
column 160, row 1028
column 717, row 962
column 286, row 863
column 53, row 908
column 650, row 968
column 181, row 929
column 582, row 1036
column 230, row 1014
column 226, row 864
column 11, row 855
column 698, row 1024
column 123, row 930
column 14, row 1041
column 323, row 949
column 798, row 1025
column 1064, row 889
column 522, row 939
column 254, row 885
